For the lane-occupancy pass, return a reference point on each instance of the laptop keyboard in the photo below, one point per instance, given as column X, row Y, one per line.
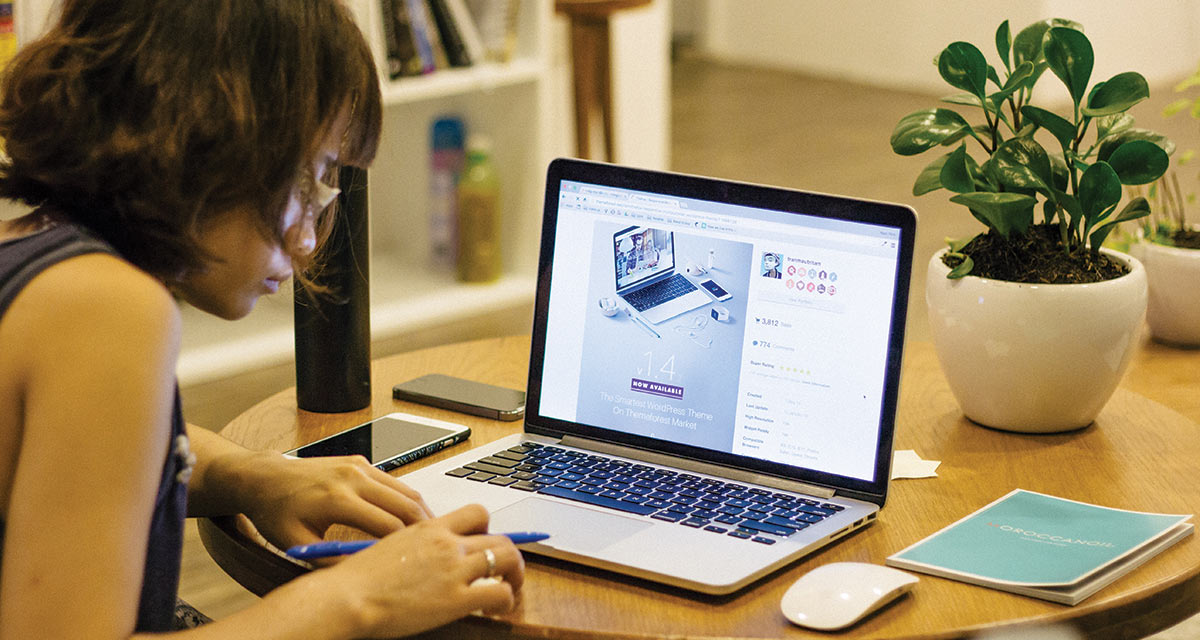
column 726, row 508
column 659, row 292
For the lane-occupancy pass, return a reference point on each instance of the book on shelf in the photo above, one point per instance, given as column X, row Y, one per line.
column 451, row 35
column 464, row 24
column 402, row 57
column 1043, row 546
column 425, row 34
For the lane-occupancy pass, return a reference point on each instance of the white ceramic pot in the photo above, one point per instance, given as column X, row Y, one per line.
column 1034, row 358
column 1173, row 275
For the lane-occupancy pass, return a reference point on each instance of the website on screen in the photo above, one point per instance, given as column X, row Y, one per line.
column 780, row 356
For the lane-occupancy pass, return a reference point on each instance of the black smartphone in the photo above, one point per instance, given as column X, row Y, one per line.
column 715, row 290
column 466, row 396
column 388, row 442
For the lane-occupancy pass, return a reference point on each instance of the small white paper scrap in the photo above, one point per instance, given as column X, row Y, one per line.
column 907, row 464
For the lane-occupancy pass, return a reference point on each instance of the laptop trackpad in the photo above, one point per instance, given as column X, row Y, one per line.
column 570, row 528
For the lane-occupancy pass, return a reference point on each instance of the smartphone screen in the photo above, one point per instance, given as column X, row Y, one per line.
column 386, row 442
column 715, row 289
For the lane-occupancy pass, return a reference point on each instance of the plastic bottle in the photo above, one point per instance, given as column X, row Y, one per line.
column 446, row 165
column 479, row 257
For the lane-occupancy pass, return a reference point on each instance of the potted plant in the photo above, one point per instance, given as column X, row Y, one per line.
column 1169, row 247
column 1033, row 322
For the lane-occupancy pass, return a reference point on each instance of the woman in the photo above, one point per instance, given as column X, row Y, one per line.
column 183, row 149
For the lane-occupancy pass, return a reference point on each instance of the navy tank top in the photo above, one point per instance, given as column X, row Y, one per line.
column 22, row 259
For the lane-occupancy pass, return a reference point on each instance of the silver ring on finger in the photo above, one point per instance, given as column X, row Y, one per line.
column 490, row 556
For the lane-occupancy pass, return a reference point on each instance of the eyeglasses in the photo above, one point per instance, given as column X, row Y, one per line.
column 315, row 196
column 324, row 195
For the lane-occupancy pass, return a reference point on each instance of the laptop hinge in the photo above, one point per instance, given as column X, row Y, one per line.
column 738, row 475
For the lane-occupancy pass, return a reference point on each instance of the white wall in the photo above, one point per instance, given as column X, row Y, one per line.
column 893, row 43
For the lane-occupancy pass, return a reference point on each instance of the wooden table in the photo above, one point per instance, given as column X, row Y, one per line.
column 1137, row 455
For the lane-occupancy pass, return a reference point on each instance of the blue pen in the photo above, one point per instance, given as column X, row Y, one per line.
column 342, row 547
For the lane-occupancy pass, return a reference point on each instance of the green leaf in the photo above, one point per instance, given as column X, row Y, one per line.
column 965, row 99
column 1016, row 80
column 963, row 66
column 922, row 130
column 1176, row 107
column 1062, row 175
column 993, row 76
column 963, row 269
column 1139, row 162
column 1023, row 163
column 1188, row 82
column 1114, row 124
column 1070, row 204
column 956, row 244
column 959, row 172
column 1003, row 42
column 1137, row 208
column 1058, row 126
column 1099, row 190
column 1027, row 45
column 1004, row 212
column 1118, row 94
column 930, row 177
column 1069, row 54
column 1049, row 209
column 1114, row 141
column 1023, row 72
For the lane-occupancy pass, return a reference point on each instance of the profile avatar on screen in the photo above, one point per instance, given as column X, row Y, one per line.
column 770, row 265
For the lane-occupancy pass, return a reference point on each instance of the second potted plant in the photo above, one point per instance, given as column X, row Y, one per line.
column 1169, row 248
column 1032, row 321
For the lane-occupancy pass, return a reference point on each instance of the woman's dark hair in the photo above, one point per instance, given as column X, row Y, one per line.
column 143, row 119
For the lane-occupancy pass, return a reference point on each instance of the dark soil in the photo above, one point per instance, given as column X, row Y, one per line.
column 1186, row 238
column 1036, row 258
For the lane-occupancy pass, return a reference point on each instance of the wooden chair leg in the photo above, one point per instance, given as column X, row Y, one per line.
column 604, row 86
column 583, row 61
column 591, row 46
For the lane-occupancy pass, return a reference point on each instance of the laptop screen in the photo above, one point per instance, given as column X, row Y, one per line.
column 641, row 253
column 791, row 366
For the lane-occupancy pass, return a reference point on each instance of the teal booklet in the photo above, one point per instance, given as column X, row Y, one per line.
column 1045, row 547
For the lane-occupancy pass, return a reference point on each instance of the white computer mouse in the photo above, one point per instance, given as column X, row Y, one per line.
column 837, row 595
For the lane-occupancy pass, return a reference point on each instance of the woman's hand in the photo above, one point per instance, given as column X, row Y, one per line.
column 297, row 500
column 426, row 575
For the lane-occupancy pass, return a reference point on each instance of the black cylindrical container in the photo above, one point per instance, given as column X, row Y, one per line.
column 333, row 330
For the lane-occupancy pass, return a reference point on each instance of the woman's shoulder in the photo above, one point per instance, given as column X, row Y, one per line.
column 99, row 282
column 91, row 298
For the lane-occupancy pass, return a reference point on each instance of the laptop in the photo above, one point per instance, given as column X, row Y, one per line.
column 646, row 278
column 710, row 450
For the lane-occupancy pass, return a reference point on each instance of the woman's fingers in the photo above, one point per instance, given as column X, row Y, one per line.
column 471, row 519
column 401, row 506
column 365, row 516
column 505, row 561
column 493, row 596
column 412, row 508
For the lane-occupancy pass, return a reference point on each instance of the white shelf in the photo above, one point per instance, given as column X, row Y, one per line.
column 214, row 348
column 454, row 82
